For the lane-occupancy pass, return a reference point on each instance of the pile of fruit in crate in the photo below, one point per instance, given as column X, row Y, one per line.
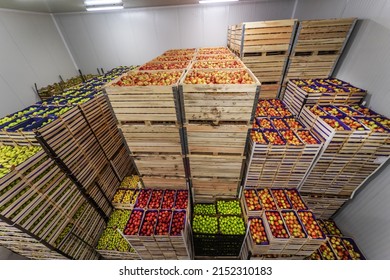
column 111, row 239
column 241, row 76
column 275, row 125
column 12, row 156
column 330, row 85
column 44, row 112
column 354, row 117
column 127, row 193
column 279, row 214
column 222, row 218
column 158, row 212
column 337, row 247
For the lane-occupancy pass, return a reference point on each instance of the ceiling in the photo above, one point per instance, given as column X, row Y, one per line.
column 67, row 6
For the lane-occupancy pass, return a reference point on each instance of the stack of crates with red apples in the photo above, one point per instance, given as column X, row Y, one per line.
column 281, row 149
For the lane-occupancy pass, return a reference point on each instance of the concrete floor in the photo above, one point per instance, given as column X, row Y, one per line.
column 6, row 254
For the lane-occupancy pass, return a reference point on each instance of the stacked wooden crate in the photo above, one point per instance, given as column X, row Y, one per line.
column 38, row 199
column 158, row 227
column 356, row 146
column 317, row 47
column 320, row 91
column 281, row 150
column 63, row 195
column 264, row 47
column 148, row 116
column 264, row 208
column 216, row 120
column 235, row 39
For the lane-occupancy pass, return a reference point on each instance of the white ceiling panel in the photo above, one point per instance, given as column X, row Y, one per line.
column 69, row 6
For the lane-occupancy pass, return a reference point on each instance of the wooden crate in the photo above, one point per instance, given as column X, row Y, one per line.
column 227, row 138
column 265, row 49
column 163, row 182
column 153, row 137
column 279, row 165
column 317, row 47
column 206, row 190
column 324, row 206
column 143, row 103
column 160, row 165
column 215, row 166
column 223, row 102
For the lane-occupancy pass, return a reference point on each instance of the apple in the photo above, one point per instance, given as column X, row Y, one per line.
column 279, row 124
column 134, row 222
column 261, row 112
column 265, row 123
column 163, row 222
column 317, row 111
column 139, row 78
column 323, row 227
column 307, row 137
column 311, row 226
column 293, row 123
column 348, row 111
column 181, row 200
column 231, row 225
column 364, row 110
column 252, row 200
column 143, row 199
column 290, row 137
column 294, row 227
column 257, row 231
column 266, row 199
column 339, row 249
column 327, row 252
column 215, row 57
column 205, row 224
column 276, row 224
column 332, row 228
column 333, row 123
column 174, row 58
column 258, row 137
column 371, row 124
column 276, row 102
column 165, row 65
column 211, row 64
column 149, row 223
column 205, row 209
column 178, row 222
column 281, row 199
column 315, row 256
column 383, row 121
column 273, row 138
column 332, row 111
column 218, row 77
column 155, row 199
column 351, row 123
column 168, row 199
column 295, row 199
column 284, row 112
column 272, row 112
column 263, row 103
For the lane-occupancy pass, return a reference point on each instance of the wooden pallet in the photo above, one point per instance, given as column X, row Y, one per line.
column 205, row 138
column 317, row 47
column 229, row 102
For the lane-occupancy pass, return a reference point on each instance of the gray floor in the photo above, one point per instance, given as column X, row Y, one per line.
column 6, row 254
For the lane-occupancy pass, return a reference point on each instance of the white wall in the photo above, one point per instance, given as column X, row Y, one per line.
column 138, row 35
column 31, row 51
column 365, row 63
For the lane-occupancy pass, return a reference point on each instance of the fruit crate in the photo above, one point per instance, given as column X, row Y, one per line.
column 277, row 244
column 338, row 247
column 122, row 163
column 153, row 137
column 153, row 65
column 255, row 247
column 108, row 181
column 144, row 103
column 300, row 93
column 278, row 164
column 295, row 243
column 218, row 102
column 317, row 47
column 119, row 203
column 217, row 64
column 353, row 250
column 311, row 244
column 255, row 209
column 265, row 48
column 208, row 189
column 206, row 138
column 160, row 166
column 324, row 206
